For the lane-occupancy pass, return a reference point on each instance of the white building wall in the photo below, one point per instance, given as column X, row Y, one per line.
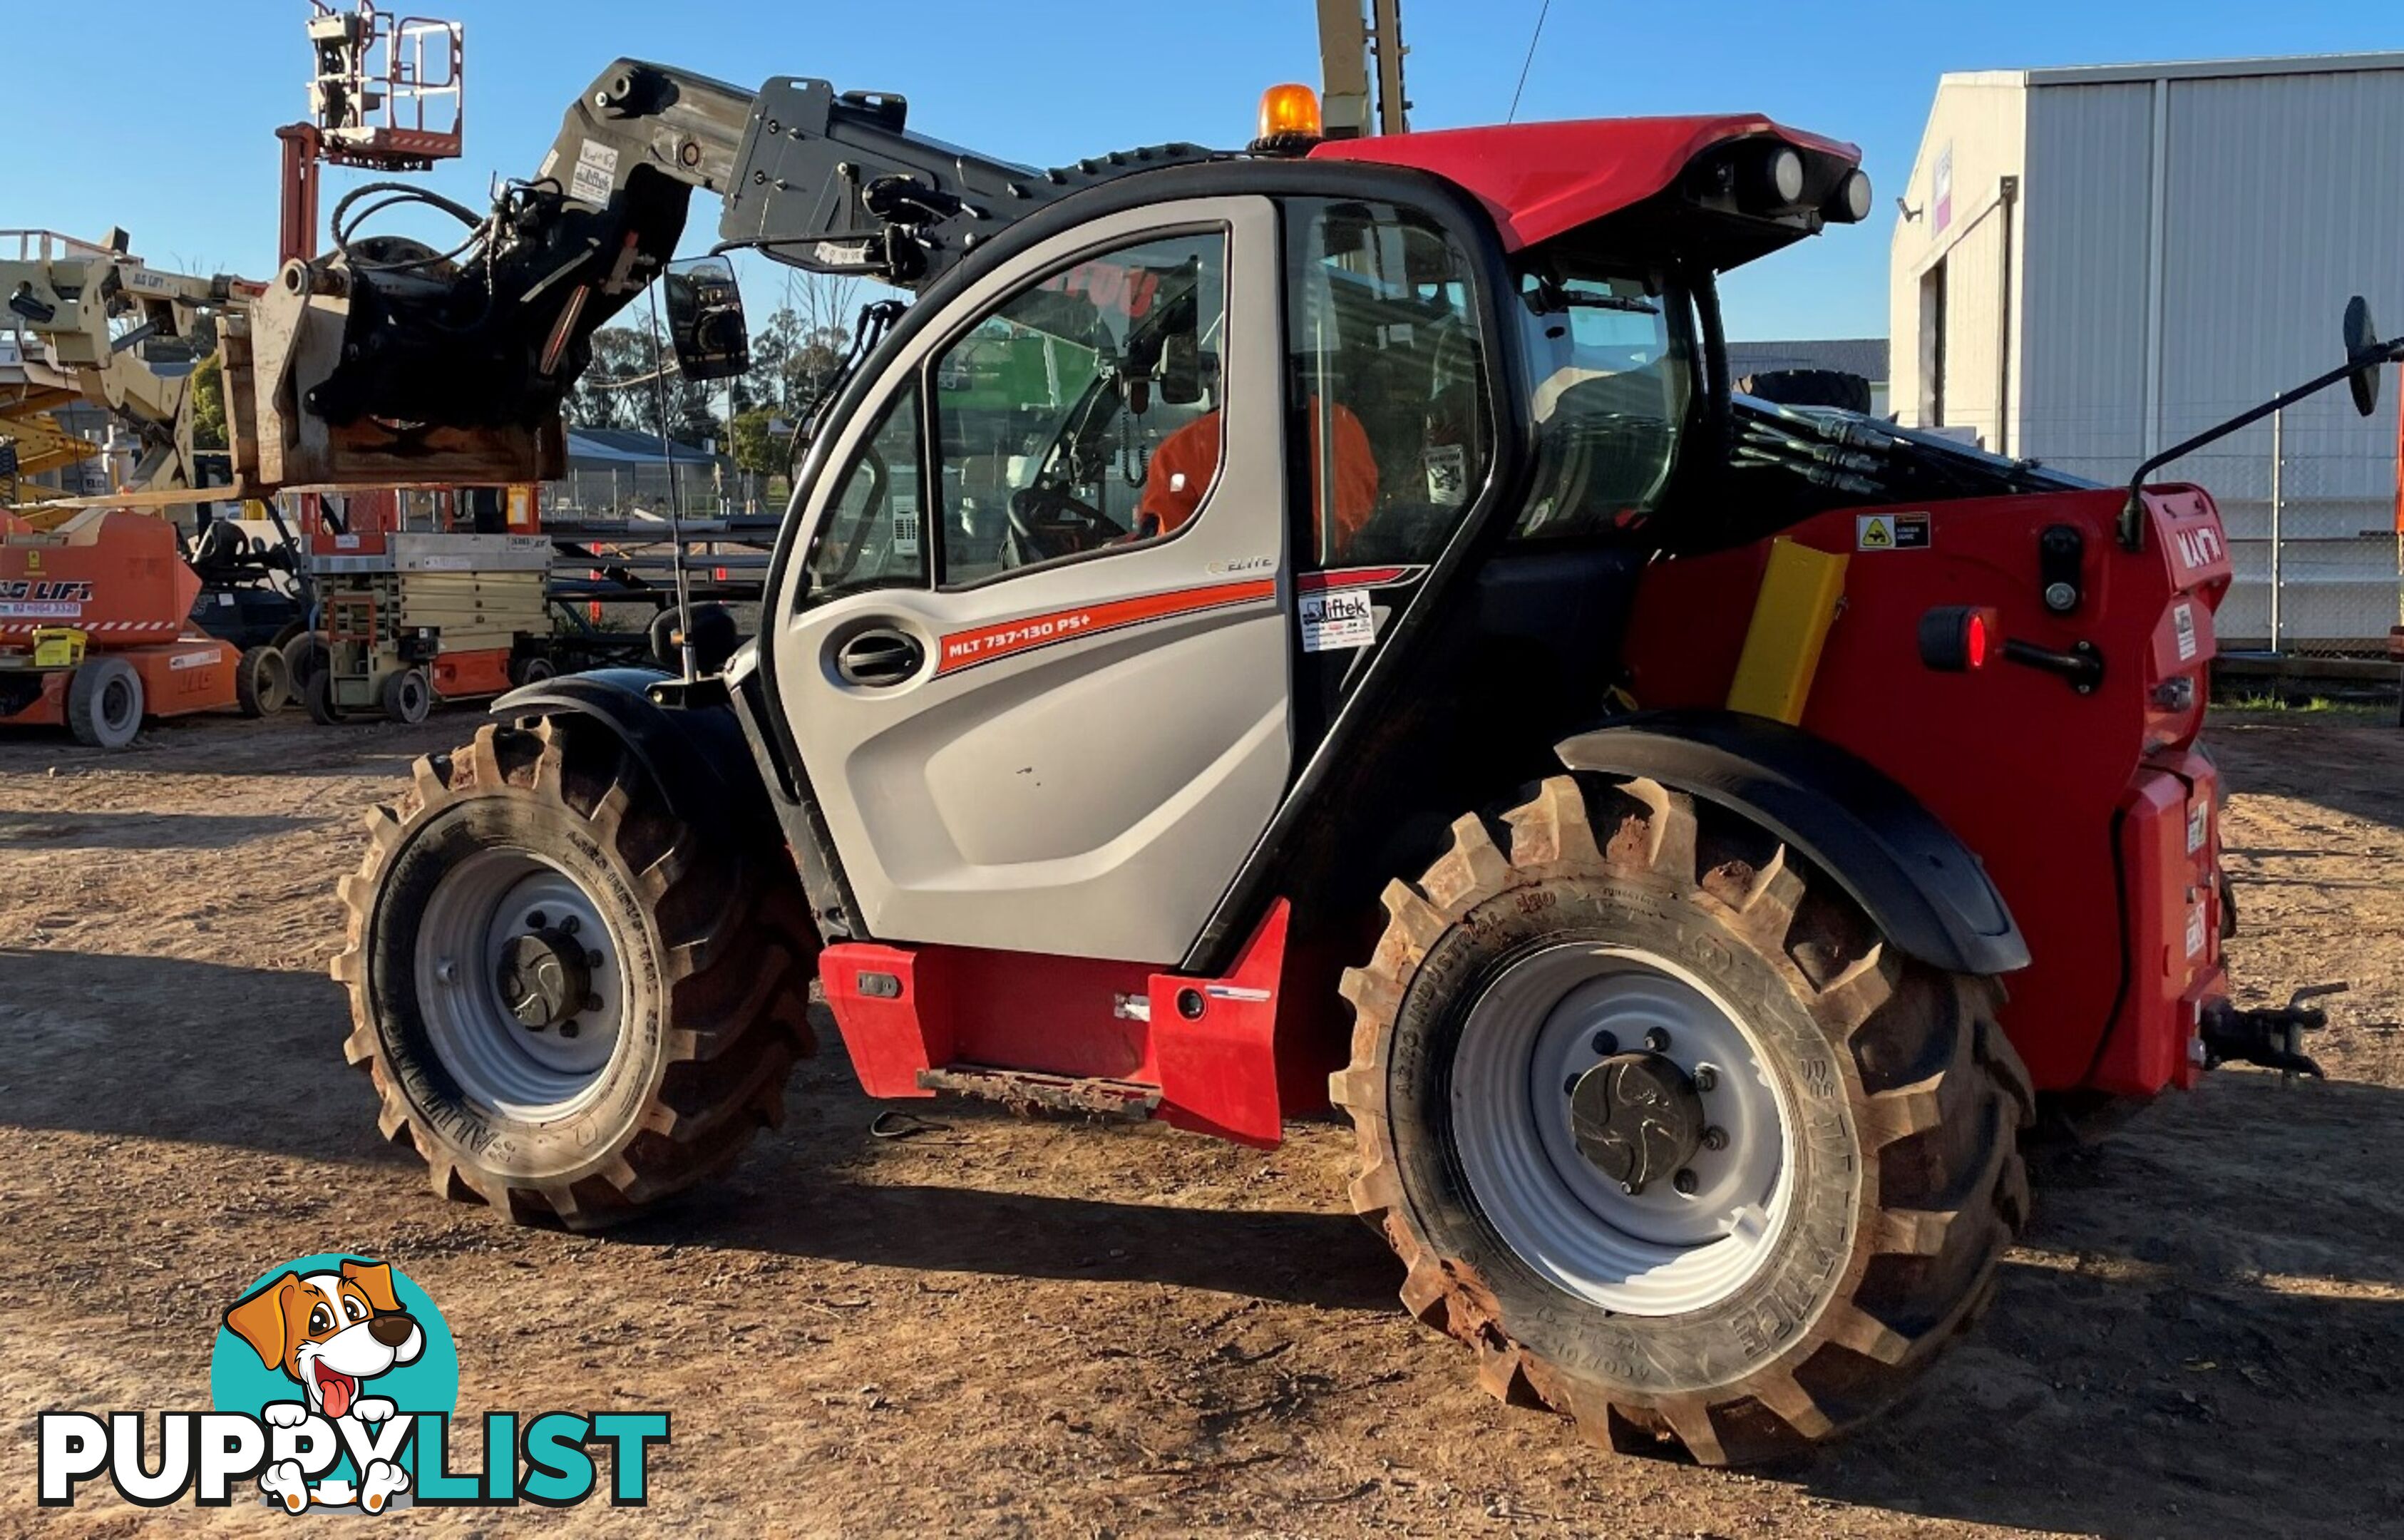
column 2188, row 236
column 1974, row 139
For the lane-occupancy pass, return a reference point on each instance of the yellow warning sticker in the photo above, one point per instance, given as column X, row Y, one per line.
column 1890, row 531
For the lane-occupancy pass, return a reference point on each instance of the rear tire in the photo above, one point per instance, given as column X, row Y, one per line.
column 1850, row 1251
column 318, row 696
column 702, row 991
column 261, row 682
column 408, row 697
column 104, row 703
column 304, row 658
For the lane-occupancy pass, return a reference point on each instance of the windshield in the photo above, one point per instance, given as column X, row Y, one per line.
column 1610, row 381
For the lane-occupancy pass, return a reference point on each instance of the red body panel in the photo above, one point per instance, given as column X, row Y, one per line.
column 194, row 674
column 1539, row 179
column 1209, row 1046
column 484, row 671
column 2053, row 791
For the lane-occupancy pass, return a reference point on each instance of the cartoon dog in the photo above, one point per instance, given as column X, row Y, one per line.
column 329, row 1332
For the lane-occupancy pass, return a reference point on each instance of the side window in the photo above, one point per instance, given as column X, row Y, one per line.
column 1391, row 435
column 875, row 536
column 1082, row 413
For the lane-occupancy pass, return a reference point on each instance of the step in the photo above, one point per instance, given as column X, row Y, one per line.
column 1026, row 1091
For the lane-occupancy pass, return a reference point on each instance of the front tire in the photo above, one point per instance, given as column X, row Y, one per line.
column 571, row 1005
column 104, row 703
column 1785, row 1284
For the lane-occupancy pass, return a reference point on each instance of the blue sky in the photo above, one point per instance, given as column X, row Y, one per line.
column 169, row 129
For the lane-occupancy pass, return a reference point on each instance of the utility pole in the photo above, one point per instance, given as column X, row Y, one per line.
column 1349, row 44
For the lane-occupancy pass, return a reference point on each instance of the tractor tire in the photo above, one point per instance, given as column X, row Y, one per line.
column 104, row 703
column 531, row 668
column 304, row 658
column 554, row 1087
column 408, row 697
column 1534, row 1030
column 317, row 696
column 262, row 683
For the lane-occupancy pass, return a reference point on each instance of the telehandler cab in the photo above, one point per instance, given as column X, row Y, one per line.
column 1626, row 802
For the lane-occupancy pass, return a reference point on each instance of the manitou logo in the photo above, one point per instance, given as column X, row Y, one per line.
column 2198, row 547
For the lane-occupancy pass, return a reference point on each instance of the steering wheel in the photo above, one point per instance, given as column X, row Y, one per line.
column 1046, row 522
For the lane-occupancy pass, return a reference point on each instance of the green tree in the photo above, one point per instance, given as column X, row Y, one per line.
column 209, row 405
column 758, row 448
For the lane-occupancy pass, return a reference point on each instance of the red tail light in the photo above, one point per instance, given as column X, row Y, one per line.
column 1956, row 638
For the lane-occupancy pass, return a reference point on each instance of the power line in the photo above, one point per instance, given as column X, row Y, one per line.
column 1532, row 37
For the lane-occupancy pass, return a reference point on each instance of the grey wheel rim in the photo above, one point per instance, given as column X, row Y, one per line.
column 1667, row 1249
column 501, row 1064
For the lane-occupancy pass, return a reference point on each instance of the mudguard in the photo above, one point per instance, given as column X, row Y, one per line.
column 1921, row 884
column 696, row 754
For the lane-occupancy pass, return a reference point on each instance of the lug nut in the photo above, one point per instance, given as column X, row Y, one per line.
column 570, row 925
column 1715, row 1139
column 535, row 920
column 592, row 1002
column 593, row 960
column 1569, row 1087
column 1685, row 1181
column 1706, row 1077
column 1657, row 1040
column 570, row 1028
column 1606, row 1043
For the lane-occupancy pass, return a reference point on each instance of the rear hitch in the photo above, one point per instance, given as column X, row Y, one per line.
column 2272, row 1036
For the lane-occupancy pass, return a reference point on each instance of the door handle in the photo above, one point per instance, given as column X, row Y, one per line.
column 880, row 658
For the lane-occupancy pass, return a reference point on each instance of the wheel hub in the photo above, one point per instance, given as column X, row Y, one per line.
column 542, row 977
column 1638, row 1117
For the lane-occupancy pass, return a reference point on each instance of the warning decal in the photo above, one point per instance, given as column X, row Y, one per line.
column 1890, row 531
column 595, row 174
column 2183, row 622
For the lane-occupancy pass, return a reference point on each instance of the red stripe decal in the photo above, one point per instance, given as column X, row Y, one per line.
column 966, row 649
column 1353, row 577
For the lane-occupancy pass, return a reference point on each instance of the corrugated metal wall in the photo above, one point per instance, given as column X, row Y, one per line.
column 2085, row 220
column 2280, row 195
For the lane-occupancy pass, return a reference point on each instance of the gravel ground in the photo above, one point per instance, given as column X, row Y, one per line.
column 1015, row 1327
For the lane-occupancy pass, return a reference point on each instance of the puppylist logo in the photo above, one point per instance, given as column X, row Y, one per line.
column 334, row 1382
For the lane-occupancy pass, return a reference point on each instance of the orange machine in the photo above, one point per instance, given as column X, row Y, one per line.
column 93, row 631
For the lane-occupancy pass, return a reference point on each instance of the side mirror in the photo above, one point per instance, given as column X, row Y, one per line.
column 2362, row 348
column 705, row 323
column 1180, row 369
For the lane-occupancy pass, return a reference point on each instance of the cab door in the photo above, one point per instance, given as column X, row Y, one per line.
column 1035, row 653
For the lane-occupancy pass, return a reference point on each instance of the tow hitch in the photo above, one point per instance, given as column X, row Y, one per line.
column 2272, row 1036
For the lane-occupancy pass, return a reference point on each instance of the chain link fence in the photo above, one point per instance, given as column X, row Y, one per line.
column 2310, row 509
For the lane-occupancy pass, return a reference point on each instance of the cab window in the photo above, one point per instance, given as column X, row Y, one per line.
column 1390, row 435
column 875, row 536
column 1082, row 413
column 1610, row 384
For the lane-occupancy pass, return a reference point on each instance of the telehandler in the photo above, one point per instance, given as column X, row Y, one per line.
column 1302, row 626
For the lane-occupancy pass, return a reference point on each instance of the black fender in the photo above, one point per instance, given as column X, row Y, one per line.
column 696, row 754
column 1912, row 876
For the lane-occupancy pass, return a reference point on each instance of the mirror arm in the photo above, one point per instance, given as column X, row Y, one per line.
column 2133, row 516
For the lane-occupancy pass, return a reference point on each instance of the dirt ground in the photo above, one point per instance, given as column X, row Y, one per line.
column 1015, row 1327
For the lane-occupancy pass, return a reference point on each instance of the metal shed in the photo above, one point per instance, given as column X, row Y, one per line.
column 2093, row 263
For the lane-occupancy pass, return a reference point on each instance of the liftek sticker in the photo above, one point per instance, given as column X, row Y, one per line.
column 595, row 174
column 1338, row 619
column 2195, row 931
column 1890, row 531
column 2199, row 824
column 194, row 659
column 2183, row 622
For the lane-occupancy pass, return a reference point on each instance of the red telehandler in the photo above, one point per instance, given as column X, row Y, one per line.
column 1309, row 625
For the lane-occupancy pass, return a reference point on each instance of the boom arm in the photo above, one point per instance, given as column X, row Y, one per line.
column 391, row 363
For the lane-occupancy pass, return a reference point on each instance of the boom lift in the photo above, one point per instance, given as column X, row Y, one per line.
column 1260, row 630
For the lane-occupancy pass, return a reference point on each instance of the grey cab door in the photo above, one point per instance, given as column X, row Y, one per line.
column 1036, row 651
